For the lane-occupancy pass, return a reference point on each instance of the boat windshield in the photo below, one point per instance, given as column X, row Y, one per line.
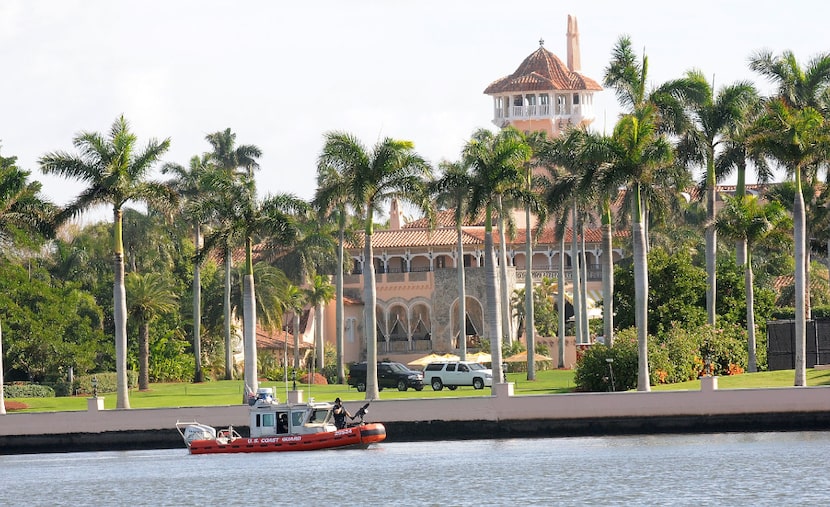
column 318, row 415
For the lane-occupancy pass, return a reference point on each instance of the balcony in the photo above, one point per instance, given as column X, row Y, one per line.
column 594, row 274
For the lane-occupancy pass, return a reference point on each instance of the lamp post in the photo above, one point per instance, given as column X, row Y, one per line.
column 610, row 361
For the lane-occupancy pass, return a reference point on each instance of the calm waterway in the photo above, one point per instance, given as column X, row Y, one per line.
column 712, row 469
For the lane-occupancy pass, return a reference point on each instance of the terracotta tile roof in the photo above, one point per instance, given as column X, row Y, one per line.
column 470, row 236
column 548, row 236
column 541, row 71
column 277, row 341
column 417, row 238
column 446, row 218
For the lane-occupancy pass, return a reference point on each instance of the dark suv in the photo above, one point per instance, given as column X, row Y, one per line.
column 389, row 375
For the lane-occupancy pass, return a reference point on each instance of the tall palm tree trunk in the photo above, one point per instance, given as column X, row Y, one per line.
column 143, row 356
column 226, row 306
column 576, row 288
column 640, row 294
column 492, row 294
column 583, row 263
column 197, row 308
column 318, row 336
column 249, row 333
column 2, row 379
column 370, row 318
column 530, row 338
column 607, row 274
column 741, row 253
column 462, row 294
column 119, row 295
column 711, row 248
column 800, row 285
column 750, row 315
column 561, row 299
column 504, row 288
column 338, row 298
column 297, row 339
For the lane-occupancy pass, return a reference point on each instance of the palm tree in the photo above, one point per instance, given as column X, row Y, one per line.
column 496, row 161
column 116, row 172
column 798, row 139
column 452, row 189
column 148, row 296
column 22, row 208
column 243, row 219
column 295, row 300
column 639, row 156
column 640, row 159
column 241, row 160
column 533, row 186
column 318, row 294
column 714, row 117
column 793, row 131
column 390, row 170
column 188, row 185
column 735, row 154
column 573, row 186
column 332, row 200
column 239, row 163
column 745, row 218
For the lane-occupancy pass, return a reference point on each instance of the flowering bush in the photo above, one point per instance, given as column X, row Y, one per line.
column 677, row 355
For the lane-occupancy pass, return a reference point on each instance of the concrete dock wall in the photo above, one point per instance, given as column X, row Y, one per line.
column 498, row 415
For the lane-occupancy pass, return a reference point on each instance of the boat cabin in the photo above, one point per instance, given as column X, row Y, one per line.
column 272, row 418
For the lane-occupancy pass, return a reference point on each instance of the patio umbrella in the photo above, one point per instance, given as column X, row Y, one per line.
column 480, row 357
column 431, row 358
column 521, row 357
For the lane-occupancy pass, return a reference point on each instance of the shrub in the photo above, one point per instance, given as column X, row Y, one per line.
column 316, row 379
column 725, row 348
column 27, row 390
column 592, row 372
column 330, row 372
column 107, row 382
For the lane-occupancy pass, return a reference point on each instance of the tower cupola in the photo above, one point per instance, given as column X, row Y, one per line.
column 544, row 93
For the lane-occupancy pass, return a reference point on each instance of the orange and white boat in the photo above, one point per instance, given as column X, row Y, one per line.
column 279, row 427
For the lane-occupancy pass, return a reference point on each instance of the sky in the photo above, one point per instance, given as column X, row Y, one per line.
column 281, row 74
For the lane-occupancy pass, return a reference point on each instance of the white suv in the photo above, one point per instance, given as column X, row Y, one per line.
column 457, row 373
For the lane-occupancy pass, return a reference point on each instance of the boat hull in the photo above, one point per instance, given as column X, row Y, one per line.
column 356, row 436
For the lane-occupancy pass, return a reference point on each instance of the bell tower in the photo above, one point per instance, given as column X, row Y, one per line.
column 545, row 94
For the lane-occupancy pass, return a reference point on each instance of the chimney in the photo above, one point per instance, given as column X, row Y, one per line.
column 574, row 63
column 396, row 219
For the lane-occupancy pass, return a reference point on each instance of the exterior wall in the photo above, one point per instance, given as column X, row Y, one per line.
column 707, row 409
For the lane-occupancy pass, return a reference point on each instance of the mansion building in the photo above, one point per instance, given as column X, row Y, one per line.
column 416, row 267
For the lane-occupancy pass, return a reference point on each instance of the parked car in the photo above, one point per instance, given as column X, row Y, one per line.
column 393, row 375
column 457, row 373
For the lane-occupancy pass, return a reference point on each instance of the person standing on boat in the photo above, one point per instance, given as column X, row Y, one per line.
column 340, row 414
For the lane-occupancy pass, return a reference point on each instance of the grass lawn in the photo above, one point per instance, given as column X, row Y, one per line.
column 229, row 392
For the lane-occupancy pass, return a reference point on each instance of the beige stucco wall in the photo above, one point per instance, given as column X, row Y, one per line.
column 707, row 401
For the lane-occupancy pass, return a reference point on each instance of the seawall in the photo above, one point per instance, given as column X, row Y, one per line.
column 500, row 415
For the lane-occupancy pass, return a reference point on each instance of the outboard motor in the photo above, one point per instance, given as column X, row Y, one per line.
column 198, row 432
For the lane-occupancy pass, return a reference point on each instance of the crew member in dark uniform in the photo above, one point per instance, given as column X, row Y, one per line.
column 340, row 414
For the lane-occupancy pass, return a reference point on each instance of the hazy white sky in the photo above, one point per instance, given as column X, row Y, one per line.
column 280, row 74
